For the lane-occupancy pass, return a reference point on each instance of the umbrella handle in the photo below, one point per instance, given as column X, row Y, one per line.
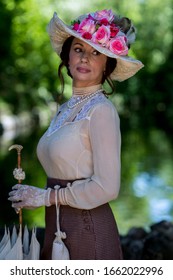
column 18, row 148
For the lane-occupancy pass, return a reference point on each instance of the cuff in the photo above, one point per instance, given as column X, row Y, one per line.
column 62, row 197
column 47, row 197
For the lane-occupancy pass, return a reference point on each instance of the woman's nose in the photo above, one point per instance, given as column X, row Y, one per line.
column 84, row 57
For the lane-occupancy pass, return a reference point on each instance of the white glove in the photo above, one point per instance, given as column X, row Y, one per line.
column 29, row 197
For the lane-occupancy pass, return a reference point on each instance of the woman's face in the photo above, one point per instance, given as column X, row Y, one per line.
column 86, row 64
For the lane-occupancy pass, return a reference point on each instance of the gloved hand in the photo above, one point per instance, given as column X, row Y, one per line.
column 29, row 197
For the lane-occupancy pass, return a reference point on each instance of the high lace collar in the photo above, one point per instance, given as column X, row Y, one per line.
column 86, row 90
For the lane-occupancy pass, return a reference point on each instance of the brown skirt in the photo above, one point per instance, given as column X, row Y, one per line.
column 91, row 234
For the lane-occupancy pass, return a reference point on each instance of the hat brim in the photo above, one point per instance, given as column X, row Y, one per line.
column 58, row 31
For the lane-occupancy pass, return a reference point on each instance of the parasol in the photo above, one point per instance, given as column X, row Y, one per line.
column 17, row 245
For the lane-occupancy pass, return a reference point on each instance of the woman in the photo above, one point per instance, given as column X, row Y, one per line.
column 80, row 151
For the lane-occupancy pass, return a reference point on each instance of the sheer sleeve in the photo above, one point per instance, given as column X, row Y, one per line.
column 104, row 184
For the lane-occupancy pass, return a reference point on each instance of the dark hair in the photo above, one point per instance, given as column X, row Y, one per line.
column 64, row 55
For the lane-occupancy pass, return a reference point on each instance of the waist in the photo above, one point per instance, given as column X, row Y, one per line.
column 51, row 182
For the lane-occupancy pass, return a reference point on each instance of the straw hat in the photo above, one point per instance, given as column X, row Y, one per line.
column 106, row 32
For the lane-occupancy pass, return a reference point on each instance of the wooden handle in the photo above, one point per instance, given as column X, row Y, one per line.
column 18, row 148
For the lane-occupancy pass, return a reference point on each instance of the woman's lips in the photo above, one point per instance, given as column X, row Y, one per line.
column 83, row 70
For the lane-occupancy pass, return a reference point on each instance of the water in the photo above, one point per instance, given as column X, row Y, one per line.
column 146, row 194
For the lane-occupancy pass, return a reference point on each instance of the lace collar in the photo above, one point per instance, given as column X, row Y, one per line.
column 64, row 113
column 86, row 90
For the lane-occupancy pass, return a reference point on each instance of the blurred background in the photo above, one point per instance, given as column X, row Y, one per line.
column 29, row 88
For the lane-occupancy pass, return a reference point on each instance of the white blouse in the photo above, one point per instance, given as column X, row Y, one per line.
column 85, row 146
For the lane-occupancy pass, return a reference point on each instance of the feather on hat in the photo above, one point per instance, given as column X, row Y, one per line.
column 106, row 32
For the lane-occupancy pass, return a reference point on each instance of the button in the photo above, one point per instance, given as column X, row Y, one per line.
column 87, row 228
column 84, row 212
column 86, row 220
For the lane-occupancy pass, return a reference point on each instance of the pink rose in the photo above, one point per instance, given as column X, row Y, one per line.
column 87, row 35
column 104, row 14
column 104, row 21
column 76, row 26
column 87, row 25
column 114, row 30
column 118, row 45
column 102, row 35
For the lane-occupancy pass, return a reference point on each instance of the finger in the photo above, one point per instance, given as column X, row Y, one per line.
column 17, row 205
column 13, row 199
column 20, row 205
column 16, row 187
column 12, row 193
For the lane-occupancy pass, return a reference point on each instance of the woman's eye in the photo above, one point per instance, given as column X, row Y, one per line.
column 96, row 52
column 77, row 50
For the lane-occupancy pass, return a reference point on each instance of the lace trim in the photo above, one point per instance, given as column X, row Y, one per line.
column 62, row 116
column 84, row 112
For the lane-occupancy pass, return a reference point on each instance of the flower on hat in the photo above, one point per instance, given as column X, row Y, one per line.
column 87, row 25
column 114, row 30
column 102, row 35
column 118, row 45
column 101, row 28
column 76, row 26
column 104, row 14
column 87, row 35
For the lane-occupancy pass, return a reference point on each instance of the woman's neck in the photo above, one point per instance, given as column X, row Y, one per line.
column 86, row 90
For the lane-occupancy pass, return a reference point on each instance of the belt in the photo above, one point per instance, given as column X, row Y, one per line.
column 51, row 182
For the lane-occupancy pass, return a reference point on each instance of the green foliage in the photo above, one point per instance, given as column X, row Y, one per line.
column 150, row 91
column 25, row 67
